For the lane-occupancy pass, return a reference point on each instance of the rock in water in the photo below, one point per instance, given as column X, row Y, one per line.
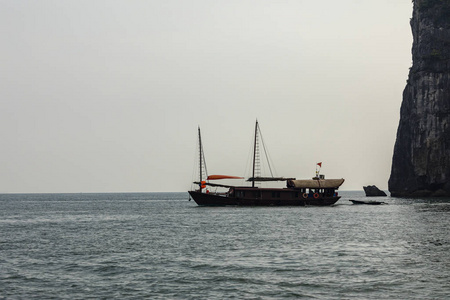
column 421, row 160
column 372, row 190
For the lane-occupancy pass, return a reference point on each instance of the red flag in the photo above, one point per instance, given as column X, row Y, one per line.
column 319, row 164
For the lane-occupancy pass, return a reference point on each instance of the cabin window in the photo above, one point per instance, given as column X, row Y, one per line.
column 329, row 192
column 240, row 194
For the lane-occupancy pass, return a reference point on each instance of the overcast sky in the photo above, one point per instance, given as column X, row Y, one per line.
column 106, row 96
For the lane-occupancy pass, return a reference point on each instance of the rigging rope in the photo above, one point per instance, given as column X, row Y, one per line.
column 265, row 151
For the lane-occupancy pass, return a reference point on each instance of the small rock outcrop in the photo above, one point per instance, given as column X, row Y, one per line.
column 421, row 160
column 372, row 190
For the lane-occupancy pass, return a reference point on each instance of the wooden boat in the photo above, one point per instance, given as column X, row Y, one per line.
column 367, row 202
column 316, row 191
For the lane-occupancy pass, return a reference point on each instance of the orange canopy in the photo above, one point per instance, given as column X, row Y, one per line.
column 215, row 177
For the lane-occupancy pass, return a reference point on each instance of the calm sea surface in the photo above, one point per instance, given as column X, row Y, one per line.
column 161, row 246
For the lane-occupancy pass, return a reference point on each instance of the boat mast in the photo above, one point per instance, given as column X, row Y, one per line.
column 254, row 153
column 200, row 156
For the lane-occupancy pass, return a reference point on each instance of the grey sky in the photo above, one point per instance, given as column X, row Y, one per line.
column 106, row 96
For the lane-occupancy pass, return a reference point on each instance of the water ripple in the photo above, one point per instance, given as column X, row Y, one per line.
column 159, row 246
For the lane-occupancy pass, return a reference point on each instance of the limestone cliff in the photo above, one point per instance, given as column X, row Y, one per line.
column 421, row 160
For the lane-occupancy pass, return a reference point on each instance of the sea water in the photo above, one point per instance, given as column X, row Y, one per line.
column 162, row 246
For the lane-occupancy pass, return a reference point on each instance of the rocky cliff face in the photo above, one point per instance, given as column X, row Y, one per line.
column 421, row 161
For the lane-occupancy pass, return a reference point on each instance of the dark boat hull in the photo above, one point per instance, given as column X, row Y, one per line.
column 367, row 202
column 204, row 199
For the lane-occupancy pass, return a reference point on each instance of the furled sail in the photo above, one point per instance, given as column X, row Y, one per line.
column 269, row 179
column 315, row 183
column 216, row 177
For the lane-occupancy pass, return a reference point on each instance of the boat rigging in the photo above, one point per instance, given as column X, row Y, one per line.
column 316, row 191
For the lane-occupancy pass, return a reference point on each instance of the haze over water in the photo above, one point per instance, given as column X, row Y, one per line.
column 106, row 96
column 161, row 246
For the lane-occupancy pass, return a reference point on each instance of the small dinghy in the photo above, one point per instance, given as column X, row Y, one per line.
column 367, row 202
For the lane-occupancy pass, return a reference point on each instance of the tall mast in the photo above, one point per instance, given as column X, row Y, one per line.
column 200, row 157
column 254, row 153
